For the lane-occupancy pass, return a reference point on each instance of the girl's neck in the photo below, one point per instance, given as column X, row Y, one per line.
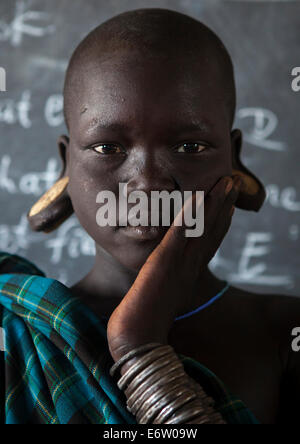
column 107, row 283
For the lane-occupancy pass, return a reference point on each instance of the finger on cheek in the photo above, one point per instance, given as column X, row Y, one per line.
column 214, row 201
column 175, row 239
column 234, row 192
column 228, row 186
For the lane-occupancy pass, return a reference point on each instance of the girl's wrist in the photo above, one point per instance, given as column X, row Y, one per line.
column 121, row 342
column 118, row 352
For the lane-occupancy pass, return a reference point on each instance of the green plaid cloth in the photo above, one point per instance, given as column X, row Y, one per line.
column 56, row 361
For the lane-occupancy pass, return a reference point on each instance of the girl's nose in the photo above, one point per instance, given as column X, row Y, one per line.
column 151, row 178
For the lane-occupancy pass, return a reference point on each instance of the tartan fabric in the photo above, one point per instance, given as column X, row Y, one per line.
column 56, row 361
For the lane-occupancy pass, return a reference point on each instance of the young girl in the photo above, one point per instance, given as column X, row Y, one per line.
column 149, row 101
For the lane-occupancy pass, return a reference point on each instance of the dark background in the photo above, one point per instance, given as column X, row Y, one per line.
column 261, row 251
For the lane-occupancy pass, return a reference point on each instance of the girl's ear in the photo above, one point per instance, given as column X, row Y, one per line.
column 63, row 144
column 55, row 206
column 252, row 193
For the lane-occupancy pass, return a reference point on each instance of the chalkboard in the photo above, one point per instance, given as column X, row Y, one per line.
column 261, row 251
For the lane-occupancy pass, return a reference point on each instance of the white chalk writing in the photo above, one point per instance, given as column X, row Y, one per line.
column 54, row 110
column 49, row 63
column 294, row 232
column 12, row 111
column 72, row 238
column 18, row 111
column 286, row 198
column 22, row 24
column 30, row 183
column 69, row 238
column 264, row 125
column 14, row 238
column 6, row 183
column 257, row 274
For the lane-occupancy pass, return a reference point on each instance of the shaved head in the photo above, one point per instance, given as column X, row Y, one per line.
column 151, row 33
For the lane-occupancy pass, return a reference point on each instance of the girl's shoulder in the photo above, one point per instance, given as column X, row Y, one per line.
column 269, row 317
column 279, row 313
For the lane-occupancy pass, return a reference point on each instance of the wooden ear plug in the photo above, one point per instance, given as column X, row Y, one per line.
column 250, row 184
column 252, row 192
column 52, row 209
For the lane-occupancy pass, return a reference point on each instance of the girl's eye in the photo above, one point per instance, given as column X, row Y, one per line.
column 108, row 148
column 190, row 148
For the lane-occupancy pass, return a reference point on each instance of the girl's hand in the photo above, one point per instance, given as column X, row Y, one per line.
column 169, row 277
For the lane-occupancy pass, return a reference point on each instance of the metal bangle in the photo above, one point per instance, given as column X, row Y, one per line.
column 189, row 412
column 143, row 362
column 150, row 369
column 171, row 409
column 132, row 354
column 160, row 364
column 161, row 378
column 159, row 391
column 154, row 394
column 180, row 397
column 189, row 415
column 165, row 374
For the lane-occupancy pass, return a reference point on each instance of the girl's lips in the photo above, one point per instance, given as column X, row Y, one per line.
column 144, row 233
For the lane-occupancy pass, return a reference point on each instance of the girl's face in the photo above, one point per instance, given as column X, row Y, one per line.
column 135, row 116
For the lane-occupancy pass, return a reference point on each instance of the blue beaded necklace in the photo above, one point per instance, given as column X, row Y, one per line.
column 202, row 307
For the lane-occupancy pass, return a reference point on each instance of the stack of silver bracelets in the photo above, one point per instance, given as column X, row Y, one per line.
column 159, row 391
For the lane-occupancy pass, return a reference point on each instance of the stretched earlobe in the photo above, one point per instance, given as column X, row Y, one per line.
column 252, row 194
column 63, row 143
column 52, row 209
column 55, row 206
